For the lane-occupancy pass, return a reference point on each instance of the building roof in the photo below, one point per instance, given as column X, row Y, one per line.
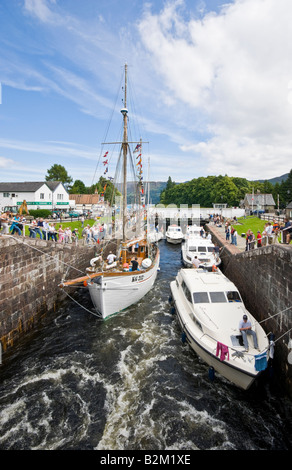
column 28, row 186
column 54, row 184
column 261, row 199
column 84, row 198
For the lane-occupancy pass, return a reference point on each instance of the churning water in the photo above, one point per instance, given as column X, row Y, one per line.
column 130, row 383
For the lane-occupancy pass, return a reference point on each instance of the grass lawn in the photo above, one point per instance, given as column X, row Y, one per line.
column 252, row 223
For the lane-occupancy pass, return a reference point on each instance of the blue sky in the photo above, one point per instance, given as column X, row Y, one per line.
column 212, row 82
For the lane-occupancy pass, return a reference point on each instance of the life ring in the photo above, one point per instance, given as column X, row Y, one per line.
column 214, row 268
column 94, row 260
column 146, row 263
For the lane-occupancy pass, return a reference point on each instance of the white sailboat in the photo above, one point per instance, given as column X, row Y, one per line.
column 114, row 287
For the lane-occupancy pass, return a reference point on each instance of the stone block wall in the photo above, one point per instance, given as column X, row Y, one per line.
column 30, row 272
column 264, row 278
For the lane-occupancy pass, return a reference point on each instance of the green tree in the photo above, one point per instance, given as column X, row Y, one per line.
column 78, row 188
column 59, row 173
column 107, row 188
column 286, row 190
column 225, row 191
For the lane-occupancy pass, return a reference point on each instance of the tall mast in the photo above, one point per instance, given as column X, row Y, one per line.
column 124, row 111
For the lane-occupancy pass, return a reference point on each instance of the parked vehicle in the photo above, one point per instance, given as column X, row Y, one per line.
column 74, row 214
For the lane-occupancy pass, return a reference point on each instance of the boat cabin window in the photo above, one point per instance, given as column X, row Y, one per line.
column 192, row 248
column 201, row 298
column 202, row 249
column 218, row 297
column 233, row 296
column 210, row 249
column 186, row 291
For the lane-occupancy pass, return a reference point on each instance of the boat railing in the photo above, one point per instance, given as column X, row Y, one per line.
column 235, row 349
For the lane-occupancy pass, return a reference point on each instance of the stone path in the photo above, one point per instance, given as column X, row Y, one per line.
column 219, row 232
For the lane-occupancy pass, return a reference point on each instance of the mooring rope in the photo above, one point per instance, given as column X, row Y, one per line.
column 89, row 311
column 47, row 254
column 279, row 313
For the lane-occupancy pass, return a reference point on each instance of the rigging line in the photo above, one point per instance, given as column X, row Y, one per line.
column 282, row 335
column 108, row 126
column 50, row 256
column 272, row 316
column 89, row 311
column 139, row 121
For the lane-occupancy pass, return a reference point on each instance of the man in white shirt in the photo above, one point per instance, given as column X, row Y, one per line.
column 111, row 257
column 245, row 329
column 195, row 262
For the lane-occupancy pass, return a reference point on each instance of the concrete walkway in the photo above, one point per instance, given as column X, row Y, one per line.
column 219, row 233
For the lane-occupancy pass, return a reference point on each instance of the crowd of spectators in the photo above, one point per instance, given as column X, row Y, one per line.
column 271, row 234
column 15, row 224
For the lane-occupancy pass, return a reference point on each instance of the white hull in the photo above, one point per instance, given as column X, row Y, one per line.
column 154, row 237
column 174, row 234
column 115, row 292
column 239, row 366
column 207, row 259
column 174, row 241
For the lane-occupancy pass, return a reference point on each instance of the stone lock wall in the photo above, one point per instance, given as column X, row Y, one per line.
column 264, row 279
column 30, row 271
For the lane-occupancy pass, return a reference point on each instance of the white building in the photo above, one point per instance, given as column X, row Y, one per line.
column 38, row 195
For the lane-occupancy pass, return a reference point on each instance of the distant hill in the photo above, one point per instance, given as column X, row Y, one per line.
column 277, row 179
column 157, row 186
column 155, row 189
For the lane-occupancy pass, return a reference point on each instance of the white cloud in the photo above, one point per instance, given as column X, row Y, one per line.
column 5, row 162
column 40, row 9
column 235, row 68
column 65, row 149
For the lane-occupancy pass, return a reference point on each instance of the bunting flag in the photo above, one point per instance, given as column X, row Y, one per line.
column 105, row 163
column 104, row 188
column 137, row 148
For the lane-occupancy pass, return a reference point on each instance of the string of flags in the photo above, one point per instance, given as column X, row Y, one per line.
column 105, row 163
column 140, row 171
column 137, row 148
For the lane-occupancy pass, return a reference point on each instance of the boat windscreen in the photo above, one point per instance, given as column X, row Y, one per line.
column 233, row 296
column 192, row 248
column 210, row 249
column 202, row 249
column 201, row 298
column 218, row 297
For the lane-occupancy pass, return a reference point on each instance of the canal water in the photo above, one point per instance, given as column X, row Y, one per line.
column 130, row 383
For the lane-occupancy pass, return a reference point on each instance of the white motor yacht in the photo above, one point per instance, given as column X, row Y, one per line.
column 203, row 249
column 209, row 309
column 194, row 231
column 174, row 234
